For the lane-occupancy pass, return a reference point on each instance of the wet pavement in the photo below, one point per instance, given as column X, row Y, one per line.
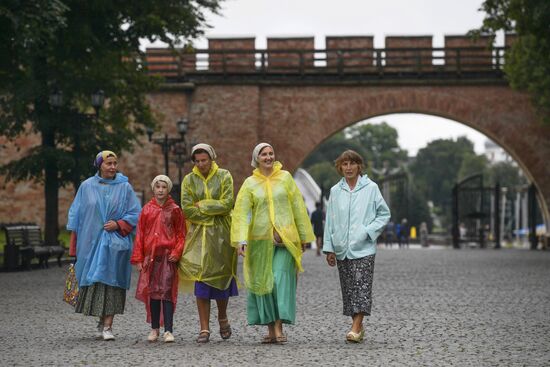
column 431, row 307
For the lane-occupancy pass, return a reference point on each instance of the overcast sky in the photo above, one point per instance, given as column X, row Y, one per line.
column 320, row 18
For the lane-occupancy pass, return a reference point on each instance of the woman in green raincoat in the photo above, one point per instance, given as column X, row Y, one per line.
column 209, row 262
column 270, row 227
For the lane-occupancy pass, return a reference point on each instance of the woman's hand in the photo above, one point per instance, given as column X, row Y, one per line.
column 241, row 250
column 172, row 259
column 331, row 259
column 304, row 247
column 277, row 237
column 139, row 267
column 110, row 226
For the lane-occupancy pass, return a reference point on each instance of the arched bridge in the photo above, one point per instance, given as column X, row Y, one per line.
column 296, row 96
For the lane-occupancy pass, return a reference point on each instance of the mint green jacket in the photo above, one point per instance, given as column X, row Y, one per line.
column 354, row 219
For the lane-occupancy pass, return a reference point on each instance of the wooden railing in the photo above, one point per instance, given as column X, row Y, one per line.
column 372, row 62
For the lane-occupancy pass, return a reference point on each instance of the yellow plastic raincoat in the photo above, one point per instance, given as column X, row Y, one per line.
column 208, row 255
column 264, row 204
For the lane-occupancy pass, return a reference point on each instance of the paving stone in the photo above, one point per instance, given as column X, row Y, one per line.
column 431, row 308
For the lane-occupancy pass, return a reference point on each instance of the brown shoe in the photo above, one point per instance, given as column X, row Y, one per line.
column 225, row 331
column 204, row 336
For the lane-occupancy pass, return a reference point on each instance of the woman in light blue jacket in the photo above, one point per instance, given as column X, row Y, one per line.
column 356, row 216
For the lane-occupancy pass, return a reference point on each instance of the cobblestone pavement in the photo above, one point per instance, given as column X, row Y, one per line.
column 431, row 307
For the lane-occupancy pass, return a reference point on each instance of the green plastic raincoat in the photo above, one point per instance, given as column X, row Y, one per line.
column 208, row 255
column 264, row 204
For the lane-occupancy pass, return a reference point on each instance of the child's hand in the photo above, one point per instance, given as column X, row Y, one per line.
column 241, row 250
column 172, row 259
column 139, row 267
column 331, row 259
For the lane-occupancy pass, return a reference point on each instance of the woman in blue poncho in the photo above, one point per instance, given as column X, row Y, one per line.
column 103, row 214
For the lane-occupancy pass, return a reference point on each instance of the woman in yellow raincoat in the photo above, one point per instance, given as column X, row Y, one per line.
column 270, row 227
column 209, row 262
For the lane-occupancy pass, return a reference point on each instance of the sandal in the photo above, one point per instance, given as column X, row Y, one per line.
column 225, row 331
column 204, row 336
column 282, row 339
column 268, row 340
column 354, row 337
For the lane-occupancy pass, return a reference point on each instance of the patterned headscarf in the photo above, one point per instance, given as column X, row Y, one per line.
column 207, row 148
column 164, row 179
column 256, row 153
column 101, row 156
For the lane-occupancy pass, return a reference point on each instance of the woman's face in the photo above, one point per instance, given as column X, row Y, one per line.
column 266, row 158
column 108, row 168
column 203, row 163
column 350, row 170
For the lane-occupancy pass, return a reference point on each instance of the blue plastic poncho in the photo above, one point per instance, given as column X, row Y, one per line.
column 103, row 256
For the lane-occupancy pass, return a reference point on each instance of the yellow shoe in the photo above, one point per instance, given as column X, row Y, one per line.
column 168, row 337
column 354, row 337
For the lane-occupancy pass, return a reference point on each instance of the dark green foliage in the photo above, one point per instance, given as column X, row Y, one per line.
column 528, row 62
column 79, row 47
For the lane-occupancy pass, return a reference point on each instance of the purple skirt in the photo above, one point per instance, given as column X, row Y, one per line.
column 203, row 290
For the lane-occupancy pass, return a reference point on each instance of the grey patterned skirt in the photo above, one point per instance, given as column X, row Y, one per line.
column 101, row 300
column 356, row 283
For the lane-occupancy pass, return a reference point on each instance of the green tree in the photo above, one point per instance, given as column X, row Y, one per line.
column 379, row 142
column 473, row 164
column 330, row 149
column 436, row 169
column 528, row 62
column 507, row 175
column 79, row 47
column 324, row 174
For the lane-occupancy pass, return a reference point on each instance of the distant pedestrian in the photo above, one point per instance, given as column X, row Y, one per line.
column 104, row 212
column 271, row 229
column 158, row 246
column 424, row 234
column 356, row 216
column 404, row 233
column 389, row 234
column 318, row 222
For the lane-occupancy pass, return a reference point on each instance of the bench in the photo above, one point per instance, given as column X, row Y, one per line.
column 25, row 240
column 42, row 250
column 16, row 247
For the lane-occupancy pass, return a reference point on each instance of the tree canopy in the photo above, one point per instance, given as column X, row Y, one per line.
column 528, row 62
column 77, row 48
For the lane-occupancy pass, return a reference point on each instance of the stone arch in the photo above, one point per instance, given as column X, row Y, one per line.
column 504, row 115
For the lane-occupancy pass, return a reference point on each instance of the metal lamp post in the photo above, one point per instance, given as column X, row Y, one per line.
column 167, row 143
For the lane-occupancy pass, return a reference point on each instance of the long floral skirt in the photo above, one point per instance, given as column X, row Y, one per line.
column 356, row 282
column 101, row 300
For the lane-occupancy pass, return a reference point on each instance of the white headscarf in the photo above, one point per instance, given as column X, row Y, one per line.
column 256, row 153
column 162, row 178
column 206, row 147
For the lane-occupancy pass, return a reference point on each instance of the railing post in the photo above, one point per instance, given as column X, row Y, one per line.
column 340, row 62
column 496, row 229
column 532, row 214
column 418, row 63
column 301, row 53
column 379, row 62
column 458, row 69
column 224, row 64
column 178, row 59
column 455, row 228
column 262, row 62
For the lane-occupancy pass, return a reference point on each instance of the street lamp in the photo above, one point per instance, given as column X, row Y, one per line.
column 168, row 143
